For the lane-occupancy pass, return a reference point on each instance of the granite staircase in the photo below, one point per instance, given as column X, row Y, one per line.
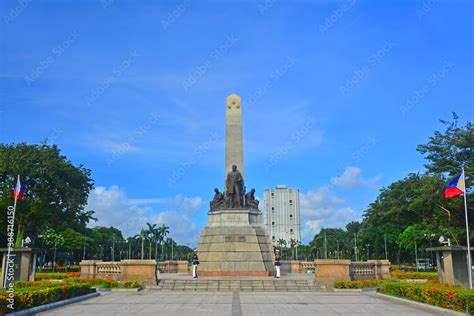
column 238, row 286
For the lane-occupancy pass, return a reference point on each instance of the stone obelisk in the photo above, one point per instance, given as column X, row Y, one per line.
column 234, row 242
column 234, row 152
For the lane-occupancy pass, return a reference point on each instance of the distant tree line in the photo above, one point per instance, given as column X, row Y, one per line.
column 52, row 211
column 411, row 212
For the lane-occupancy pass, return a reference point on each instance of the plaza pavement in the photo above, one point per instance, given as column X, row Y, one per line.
column 241, row 303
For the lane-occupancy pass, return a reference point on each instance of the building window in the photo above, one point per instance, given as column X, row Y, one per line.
column 273, row 237
column 273, row 223
column 291, row 201
column 274, row 209
column 291, row 216
column 291, row 230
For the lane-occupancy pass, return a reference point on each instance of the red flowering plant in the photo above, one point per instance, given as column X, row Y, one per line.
column 451, row 297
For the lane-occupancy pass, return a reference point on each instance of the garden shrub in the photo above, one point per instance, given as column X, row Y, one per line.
column 31, row 296
column 451, row 297
column 60, row 269
column 130, row 284
column 430, row 276
column 360, row 284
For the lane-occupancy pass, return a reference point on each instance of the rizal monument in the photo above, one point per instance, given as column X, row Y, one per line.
column 234, row 242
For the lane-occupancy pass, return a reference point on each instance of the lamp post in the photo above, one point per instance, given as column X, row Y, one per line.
column 431, row 245
column 385, row 244
column 41, row 255
column 416, row 253
column 355, row 247
column 84, row 248
column 112, row 249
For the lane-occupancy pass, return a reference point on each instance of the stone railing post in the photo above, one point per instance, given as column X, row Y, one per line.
column 329, row 271
column 182, row 266
column 88, row 268
column 381, row 269
column 295, row 266
column 143, row 271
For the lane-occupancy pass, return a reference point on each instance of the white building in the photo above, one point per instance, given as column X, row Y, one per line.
column 282, row 214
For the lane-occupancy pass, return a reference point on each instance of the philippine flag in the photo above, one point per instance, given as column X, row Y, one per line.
column 455, row 187
column 17, row 193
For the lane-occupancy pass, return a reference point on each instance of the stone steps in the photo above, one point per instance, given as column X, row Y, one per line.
column 238, row 286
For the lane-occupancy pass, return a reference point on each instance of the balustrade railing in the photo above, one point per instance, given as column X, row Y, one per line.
column 362, row 270
column 108, row 268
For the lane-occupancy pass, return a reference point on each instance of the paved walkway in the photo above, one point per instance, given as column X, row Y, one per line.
column 243, row 303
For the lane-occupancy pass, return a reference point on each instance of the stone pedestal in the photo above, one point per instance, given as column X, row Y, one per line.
column 452, row 264
column 22, row 265
column 143, row 271
column 381, row 269
column 329, row 271
column 235, row 243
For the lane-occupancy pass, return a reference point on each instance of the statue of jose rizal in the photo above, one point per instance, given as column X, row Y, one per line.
column 234, row 188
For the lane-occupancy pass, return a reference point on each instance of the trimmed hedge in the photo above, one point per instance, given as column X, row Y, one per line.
column 34, row 293
column 31, row 296
column 56, row 275
column 360, row 284
column 60, row 269
column 455, row 298
column 430, row 276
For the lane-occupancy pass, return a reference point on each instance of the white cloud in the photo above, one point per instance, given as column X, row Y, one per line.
column 352, row 177
column 146, row 201
column 112, row 147
column 114, row 208
column 321, row 208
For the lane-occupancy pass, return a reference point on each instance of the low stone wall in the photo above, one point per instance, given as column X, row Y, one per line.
column 328, row 271
column 180, row 266
column 143, row 271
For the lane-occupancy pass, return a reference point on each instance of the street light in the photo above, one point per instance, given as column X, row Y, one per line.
column 416, row 253
column 431, row 245
column 42, row 254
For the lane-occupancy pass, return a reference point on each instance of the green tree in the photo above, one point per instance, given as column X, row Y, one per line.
column 293, row 244
column 447, row 151
column 163, row 231
column 73, row 242
column 151, row 234
column 52, row 238
column 141, row 236
column 55, row 193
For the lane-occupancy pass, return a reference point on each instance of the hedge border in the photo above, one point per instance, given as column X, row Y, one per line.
column 426, row 307
column 50, row 306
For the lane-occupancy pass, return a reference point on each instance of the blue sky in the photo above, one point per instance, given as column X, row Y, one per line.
column 336, row 97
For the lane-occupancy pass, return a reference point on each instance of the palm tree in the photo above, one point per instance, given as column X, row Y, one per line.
column 170, row 243
column 282, row 243
column 163, row 232
column 150, row 235
column 293, row 243
column 141, row 236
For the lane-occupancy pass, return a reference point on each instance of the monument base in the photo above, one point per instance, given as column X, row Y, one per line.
column 235, row 243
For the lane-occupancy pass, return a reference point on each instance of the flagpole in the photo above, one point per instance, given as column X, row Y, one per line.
column 10, row 248
column 469, row 261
